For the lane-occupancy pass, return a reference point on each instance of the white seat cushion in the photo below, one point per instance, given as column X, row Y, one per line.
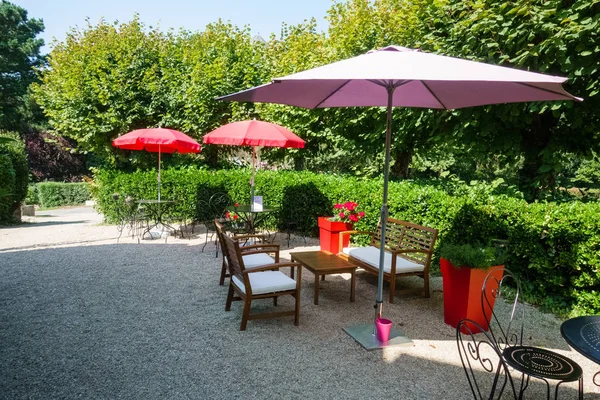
column 370, row 255
column 267, row 282
column 256, row 260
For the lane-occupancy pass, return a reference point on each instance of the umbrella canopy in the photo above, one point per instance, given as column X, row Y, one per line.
column 417, row 79
column 254, row 133
column 398, row 76
column 157, row 140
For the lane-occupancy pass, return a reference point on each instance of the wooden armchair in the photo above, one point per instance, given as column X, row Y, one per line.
column 408, row 252
column 259, row 283
column 255, row 255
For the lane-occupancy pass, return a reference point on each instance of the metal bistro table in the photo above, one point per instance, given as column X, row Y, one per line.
column 155, row 213
column 583, row 334
column 251, row 217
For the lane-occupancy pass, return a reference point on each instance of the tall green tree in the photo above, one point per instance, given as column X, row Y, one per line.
column 112, row 78
column 550, row 36
column 19, row 54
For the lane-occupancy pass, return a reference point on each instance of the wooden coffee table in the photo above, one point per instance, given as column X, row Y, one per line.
column 322, row 263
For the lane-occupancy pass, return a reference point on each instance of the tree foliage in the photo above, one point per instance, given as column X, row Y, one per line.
column 109, row 79
column 555, row 37
column 19, row 53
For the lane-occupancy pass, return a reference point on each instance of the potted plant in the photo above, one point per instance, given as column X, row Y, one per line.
column 345, row 215
column 464, row 268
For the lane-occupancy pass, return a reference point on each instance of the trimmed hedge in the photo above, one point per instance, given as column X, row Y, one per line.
column 56, row 194
column 14, row 177
column 553, row 247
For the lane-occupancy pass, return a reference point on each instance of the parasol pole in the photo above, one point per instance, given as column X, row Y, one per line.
column 384, row 206
column 252, row 179
column 159, row 172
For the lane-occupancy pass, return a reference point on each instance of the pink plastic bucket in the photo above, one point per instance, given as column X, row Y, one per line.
column 384, row 326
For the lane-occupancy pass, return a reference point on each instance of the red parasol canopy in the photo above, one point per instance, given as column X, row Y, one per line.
column 157, row 140
column 254, row 133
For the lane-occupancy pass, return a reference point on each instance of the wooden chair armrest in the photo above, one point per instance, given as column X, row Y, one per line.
column 249, row 236
column 269, row 267
column 265, row 246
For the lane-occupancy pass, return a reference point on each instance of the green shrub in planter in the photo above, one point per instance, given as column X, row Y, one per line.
column 472, row 256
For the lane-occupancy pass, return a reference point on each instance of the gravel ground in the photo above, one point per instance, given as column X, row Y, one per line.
column 82, row 316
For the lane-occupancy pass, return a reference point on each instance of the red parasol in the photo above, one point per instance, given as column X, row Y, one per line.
column 157, row 140
column 254, row 133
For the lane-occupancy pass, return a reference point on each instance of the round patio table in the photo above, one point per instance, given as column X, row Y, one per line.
column 583, row 334
column 250, row 216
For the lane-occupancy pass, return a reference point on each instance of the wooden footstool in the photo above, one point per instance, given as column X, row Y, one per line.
column 322, row 263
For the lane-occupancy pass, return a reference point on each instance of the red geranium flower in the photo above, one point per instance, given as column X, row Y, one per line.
column 347, row 212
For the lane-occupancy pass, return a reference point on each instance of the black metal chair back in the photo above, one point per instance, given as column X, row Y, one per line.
column 504, row 311
column 486, row 370
column 506, row 320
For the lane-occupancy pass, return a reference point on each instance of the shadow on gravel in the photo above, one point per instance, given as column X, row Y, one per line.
column 45, row 223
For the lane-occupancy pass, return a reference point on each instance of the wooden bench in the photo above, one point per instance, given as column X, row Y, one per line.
column 408, row 252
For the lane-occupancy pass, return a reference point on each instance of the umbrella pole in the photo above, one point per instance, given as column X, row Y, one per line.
column 252, row 180
column 384, row 206
column 159, row 173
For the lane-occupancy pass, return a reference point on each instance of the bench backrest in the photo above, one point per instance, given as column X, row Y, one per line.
column 403, row 235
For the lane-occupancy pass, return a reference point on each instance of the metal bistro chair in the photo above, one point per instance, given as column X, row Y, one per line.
column 506, row 331
column 480, row 357
column 215, row 209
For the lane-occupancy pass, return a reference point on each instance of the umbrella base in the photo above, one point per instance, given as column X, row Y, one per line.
column 363, row 334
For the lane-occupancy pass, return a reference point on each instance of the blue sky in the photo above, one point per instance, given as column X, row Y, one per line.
column 263, row 16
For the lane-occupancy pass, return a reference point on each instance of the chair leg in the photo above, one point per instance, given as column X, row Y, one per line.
column 392, row 289
column 223, row 273
column 426, row 284
column 246, row 313
column 229, row 297
column 205, row 240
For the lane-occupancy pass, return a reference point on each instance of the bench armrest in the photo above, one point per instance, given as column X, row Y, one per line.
column 408, row 251
column 349, row 233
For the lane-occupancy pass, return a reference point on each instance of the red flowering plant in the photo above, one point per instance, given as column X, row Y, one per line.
column 347, row 212
column 233, row 221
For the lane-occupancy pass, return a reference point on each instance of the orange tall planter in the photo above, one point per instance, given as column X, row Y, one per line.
column 462, row 294
column 329, row 234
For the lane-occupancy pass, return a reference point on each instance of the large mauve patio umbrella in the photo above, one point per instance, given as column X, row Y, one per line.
column 254, row 133
column 398, row 76
column 157, row 140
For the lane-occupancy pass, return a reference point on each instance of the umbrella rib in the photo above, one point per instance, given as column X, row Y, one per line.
column 331, row 93
column 548, row 90
column 433, row 94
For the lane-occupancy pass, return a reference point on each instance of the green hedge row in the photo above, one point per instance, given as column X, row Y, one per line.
column 554, row 247
column 56, row 194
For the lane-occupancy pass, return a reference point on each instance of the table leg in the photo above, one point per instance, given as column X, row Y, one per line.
column 316, row 300
column 352, row 285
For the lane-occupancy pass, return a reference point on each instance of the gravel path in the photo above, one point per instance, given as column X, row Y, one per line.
column 82, row 316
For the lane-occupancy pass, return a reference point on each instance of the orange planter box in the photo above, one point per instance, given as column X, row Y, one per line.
column 462, row 294
column 329, row 234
